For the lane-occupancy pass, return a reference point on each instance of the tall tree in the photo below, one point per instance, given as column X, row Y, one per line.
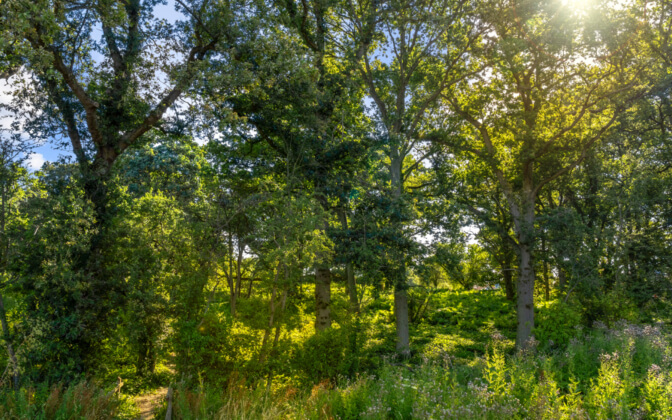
column 419, row 52
column 102, row 94
column 13, row 153
column 551, row 92
column 334, row 152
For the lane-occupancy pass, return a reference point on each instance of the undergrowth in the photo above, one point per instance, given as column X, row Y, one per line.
column 621, row 372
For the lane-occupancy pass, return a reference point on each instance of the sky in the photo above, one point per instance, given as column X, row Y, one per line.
column 47, row 152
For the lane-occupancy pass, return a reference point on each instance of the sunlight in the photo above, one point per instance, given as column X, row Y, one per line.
column 577, row 5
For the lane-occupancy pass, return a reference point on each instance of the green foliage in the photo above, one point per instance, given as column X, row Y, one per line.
column 526, row 385
column 324, row 356
column 84, row 400
column 607, row 396
column 59, row 304
column 471, row 310
column 205, row 351
column 397, row 146
column 495, row 373
column 556, row 322
column 658, row 393
column 466, row 266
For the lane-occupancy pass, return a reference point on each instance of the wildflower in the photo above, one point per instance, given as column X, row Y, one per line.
column 654, row 369
column 497, row 336
column 531, row 343
column 606, row 357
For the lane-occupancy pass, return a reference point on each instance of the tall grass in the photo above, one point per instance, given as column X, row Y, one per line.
column 624, row 372
column 84, row 400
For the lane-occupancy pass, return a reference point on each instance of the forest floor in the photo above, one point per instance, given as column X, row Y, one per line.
column 148, row 403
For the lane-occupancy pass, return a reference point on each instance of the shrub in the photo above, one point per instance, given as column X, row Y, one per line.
column 556, row 322
column 657, row 392
column 324, row 355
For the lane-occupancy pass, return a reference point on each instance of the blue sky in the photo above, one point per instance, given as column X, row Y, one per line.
column 47, row 152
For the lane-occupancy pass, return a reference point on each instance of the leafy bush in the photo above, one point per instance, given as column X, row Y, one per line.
column 556, row 322
column 657, row 393
column 323, row 356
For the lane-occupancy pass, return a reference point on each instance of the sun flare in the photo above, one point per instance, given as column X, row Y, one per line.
column 577, row 5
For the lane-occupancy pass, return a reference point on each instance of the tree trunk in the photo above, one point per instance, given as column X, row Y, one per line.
column 525, row 296
column 525, row 232
column 239, row 269
column 507, row 273
column 283, row 302
column 547, row 283
column 562, row 279
column 349, row 269
column 229, row 275
column 271, row 317
column 146, row 361
column 401, row 315
column 400, row 286
column 352, row 288
column 103, row 290
column 251, row 283
column 322, row 298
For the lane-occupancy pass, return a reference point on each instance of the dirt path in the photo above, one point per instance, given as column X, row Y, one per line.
column 148, row 403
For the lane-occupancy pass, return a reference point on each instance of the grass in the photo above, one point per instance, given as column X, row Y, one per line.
column 624, row 372
column 85, row 400
column 464, row 365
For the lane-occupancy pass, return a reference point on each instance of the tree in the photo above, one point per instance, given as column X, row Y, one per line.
column 476, row 197
column 13, row 153
column 550, row 93
column 334, row 153
column 419, row 52
column 103, row 95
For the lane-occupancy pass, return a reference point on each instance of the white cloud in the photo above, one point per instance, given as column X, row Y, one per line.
column 35, row 161
column 5, row 98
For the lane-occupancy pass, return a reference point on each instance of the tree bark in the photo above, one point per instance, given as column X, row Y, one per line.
column 271, row 317
column 276, row 339
column 524, row 224
column 544, row 266
column 400, row 286
column 322, row 298
column 349, row 269
column 507, row 273
column 352, row 288
column 562, row 279
column 239, row 270
column 146, row 361
column 525, row 303
column 401, row 315
column 229, row 276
